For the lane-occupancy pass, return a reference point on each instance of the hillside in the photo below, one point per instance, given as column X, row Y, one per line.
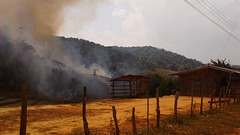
column 61, row 66
column 161, row 58
column 124, row 60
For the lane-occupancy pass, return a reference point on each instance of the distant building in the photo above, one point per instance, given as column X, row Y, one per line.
column 130, row 86
column 208, row 79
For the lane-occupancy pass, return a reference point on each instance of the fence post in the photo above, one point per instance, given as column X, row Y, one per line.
column 211, row 99
column 175, row 104
column 238, row 97
column 115, row 120
column 229, row 95
column 192, row 102
column 23, row 124
column 228, row 91
column 133, row 122
column 157, row 108
column 202, row 87
column 85, row 123
column 220, row 98
column 234, row 96
column 224, row 97
column 147, row 114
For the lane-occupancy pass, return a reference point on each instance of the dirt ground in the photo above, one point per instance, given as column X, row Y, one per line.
column 67, row 118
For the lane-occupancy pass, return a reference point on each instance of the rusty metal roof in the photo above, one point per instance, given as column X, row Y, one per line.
column 227, row 70
column 128, row 77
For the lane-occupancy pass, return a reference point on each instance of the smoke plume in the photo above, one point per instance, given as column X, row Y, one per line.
column 40, row 17
column 28, row 48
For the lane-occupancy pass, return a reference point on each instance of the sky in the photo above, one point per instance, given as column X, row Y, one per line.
column 173, row 25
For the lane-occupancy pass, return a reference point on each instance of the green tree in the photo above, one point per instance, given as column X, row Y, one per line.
column 154, row 81
column 167, row 85
column 220, row 63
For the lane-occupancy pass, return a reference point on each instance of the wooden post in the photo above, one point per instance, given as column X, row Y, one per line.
column 23, row 124
column 192, row 101
column 175, row 104
column 224, row 96
column 157, row 108
column 113, row 90
column 130, row 88
column 115, row 120
column 238, row 97
column 220, row 99
column 229, row 94
column 148, row 114
column 202, row 87
column 228, row 91
column 133, row 122
column 85, row 123
column 211, row 99
column 234, row 96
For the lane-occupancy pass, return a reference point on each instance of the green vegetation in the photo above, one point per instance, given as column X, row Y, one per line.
column 125, row 60
column 161, row 58
column 167, row 85
column 220, row 63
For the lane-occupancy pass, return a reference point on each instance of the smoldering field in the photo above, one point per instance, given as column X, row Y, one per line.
column 29, row 50
column 60, row 74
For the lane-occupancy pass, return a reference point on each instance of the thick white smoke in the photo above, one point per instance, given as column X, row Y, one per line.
column 46, row 64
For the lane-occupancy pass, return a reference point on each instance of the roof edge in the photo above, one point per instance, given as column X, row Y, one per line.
column 204, row 67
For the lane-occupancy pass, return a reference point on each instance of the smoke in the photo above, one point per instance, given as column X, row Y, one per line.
column 28, row 46
column 41, row 18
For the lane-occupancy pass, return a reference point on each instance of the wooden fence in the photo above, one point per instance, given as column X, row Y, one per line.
column 23, row 124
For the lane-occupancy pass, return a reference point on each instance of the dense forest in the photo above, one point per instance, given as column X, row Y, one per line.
column 161, row 58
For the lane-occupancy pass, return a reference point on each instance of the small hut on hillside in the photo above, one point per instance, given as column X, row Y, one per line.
column 208, row 79
column 130, row 86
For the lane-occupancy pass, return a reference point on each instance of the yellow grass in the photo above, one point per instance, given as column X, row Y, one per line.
column 66, row 118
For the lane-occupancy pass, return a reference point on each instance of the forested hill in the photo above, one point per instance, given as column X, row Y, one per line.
column 128, row 59
column 161, row 58
column 61, row 66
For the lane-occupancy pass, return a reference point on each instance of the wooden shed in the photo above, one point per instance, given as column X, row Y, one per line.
column 130, row 86
column 208, row 79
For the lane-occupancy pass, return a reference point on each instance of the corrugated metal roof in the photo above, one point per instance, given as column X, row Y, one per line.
column 207, row 67
column 127, row 77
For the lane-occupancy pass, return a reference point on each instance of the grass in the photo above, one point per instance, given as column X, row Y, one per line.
column 210, row 123
column 225, row 121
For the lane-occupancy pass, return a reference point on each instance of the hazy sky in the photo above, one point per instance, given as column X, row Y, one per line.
column 170, row 24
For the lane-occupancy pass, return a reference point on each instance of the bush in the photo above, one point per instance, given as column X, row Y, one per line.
column 167, row 85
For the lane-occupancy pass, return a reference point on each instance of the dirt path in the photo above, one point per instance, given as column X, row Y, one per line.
column 66, row 118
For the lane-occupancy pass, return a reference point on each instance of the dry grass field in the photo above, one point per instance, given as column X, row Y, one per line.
column 67, row 118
